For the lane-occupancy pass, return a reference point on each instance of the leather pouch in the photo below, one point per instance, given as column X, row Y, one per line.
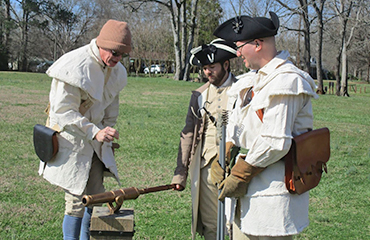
column 306, row 160
column 45, row 142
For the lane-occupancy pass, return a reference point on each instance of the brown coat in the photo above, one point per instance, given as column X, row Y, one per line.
column 188, row 158
column 191, row 134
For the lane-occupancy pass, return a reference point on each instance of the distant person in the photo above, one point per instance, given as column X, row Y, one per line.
column 199, row 143
column 273, row 106
column 84, row 106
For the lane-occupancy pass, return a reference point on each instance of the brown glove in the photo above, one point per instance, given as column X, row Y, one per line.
column 217, row 173
column 236, row 185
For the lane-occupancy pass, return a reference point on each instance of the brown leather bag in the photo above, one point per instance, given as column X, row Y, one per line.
column 306, row 160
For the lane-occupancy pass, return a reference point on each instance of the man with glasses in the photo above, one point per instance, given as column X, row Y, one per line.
column 273, row 106
column 84, row 108
column 199, row 143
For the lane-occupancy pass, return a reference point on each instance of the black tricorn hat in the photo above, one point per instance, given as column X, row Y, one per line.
column 248, row 28
column 216, row 51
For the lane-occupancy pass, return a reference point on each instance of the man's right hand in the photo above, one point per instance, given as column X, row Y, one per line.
column 217, row 173
column 107, row 134
column 178, row 187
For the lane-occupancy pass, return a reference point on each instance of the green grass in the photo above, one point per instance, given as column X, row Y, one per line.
column 152, row 114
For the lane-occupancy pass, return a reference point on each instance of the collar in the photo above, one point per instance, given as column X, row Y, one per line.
column 269, row 68
column 228, row 81
column 94, row 50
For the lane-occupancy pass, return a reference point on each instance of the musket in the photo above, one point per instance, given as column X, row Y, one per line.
column 222, row 122
column 118, row 196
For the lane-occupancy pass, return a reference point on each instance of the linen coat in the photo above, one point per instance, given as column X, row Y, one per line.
column 77, row 76
column 190, row 147
column 284, row 94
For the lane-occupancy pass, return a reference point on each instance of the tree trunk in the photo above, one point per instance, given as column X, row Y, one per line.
column 319, row 73
column 24, row 42
column 5, row 34
column 343, row 16
column 337, row 75
column 184, row 35
column 194, row 5
column 307, row 44
column 175, row 23
column 344, row 77
column 298, row 61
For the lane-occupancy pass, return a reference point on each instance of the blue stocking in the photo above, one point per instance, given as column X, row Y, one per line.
column 71, row 227
column 85, row 226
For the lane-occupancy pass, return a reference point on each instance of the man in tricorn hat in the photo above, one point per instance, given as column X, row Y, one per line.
column 199, row 144
column 273, row 106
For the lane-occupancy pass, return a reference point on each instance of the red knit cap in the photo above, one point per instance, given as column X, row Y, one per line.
column 115, row 35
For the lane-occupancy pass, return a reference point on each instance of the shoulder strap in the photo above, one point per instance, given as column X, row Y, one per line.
column 247, row 94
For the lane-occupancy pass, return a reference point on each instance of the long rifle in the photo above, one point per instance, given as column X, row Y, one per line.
column 118, row 196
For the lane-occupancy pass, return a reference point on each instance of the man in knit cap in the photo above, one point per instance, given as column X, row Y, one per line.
column 84, row 108
column 273, row 106
column 199, row 143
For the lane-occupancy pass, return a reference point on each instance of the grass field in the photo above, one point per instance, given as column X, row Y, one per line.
column 152, row 114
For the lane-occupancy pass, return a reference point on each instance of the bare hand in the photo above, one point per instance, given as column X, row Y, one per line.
column 179, row 187
column 107, row 134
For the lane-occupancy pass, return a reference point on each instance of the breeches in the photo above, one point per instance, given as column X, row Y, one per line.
column 73, row 204
column 208, row 204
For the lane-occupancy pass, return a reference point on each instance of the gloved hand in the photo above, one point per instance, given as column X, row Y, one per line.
column 236, row 185
column 217, row 173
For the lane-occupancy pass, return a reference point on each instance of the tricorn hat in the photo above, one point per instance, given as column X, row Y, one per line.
column 247, row 28
column 216, row 51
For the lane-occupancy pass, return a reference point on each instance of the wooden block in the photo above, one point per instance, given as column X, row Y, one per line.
column 112, row 227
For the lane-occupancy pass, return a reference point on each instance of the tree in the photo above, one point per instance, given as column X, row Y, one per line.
column 151, row 41
column 183, row 18
column 208, row 16
column 5, row 27
column 57, row 27
column 187, row 48
column 343, row 9
column 319, row 8
column 303, row 12
column 69, row 24
column 24, row 20
column 360, row 51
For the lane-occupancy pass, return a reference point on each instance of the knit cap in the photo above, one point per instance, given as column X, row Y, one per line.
column 115, row 35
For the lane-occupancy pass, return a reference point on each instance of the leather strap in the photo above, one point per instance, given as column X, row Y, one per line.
column 247, row 94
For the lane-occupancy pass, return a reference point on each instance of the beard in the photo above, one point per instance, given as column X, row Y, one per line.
column 218, row 78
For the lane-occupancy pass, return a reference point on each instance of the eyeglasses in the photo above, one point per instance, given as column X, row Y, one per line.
column 239, row 47
column 117, row 54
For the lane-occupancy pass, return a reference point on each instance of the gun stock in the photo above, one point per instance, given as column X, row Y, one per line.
column 118, row 196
